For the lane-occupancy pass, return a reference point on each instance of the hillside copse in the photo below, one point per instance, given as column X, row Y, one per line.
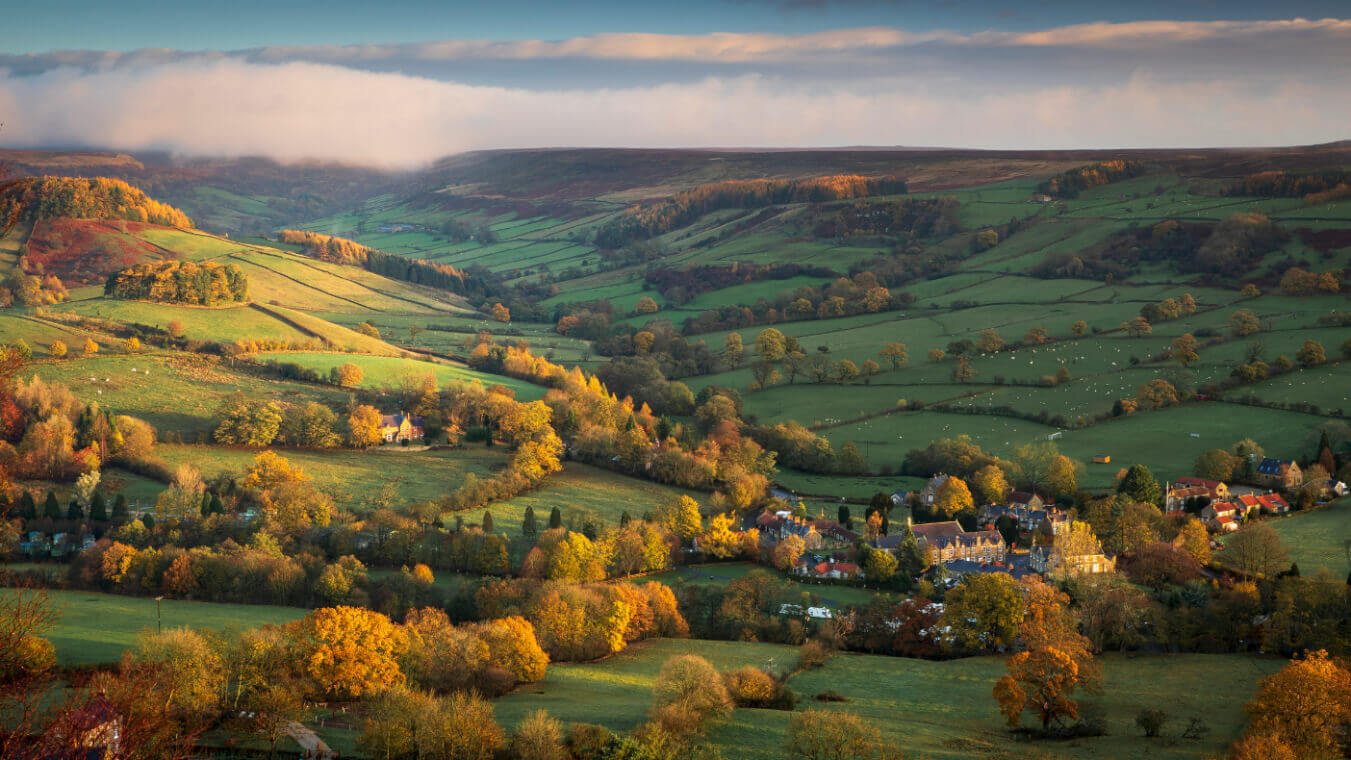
column 39, row 198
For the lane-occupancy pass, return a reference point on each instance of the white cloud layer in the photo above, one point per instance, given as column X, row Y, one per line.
column 1146, row 84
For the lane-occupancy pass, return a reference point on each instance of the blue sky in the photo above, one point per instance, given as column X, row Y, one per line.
column 406, row 82
column 37, row 27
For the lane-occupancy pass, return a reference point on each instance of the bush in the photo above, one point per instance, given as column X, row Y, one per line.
column 1151, row 721
column 813, row 654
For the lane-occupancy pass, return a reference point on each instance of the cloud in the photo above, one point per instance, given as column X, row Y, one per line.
column 298, row 110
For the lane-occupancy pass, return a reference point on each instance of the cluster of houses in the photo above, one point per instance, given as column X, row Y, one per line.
column 401, row 427
column 1224, row 508
column 36, row 545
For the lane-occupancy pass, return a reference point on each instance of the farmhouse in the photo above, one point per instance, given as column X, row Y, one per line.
column 930, row 490
column 1279, row 473
column 400, row 427
column 828, row 569
column 1214, row 488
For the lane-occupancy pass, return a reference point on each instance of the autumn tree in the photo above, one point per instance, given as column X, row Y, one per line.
column 539, row 737
column 895, row 354
column 1311, row 354
column 646, row 305
column 770, row 345
column 732, row 350
column 57, row 349
column 719, row 540
column 1184, row 349
column 1036, row 336
column 991, row 485
column 1079, row 329
column 963, row 372
column 1156, row 393
column 1216, row 464
column 1137, row 327
column 1039, row 681
column 347, row 375
column 1194, row 539
column 984, row 611
column 1243, row 323
column 246, row 422
column 788, row 551
column 1255, row 550
column 364, row 426
column 1306, row 704
column 90, row 347
column 501, row 313
column 989, row 341
column 833, row 735
column 953, row 497
column 349, row 651
column 681, row 517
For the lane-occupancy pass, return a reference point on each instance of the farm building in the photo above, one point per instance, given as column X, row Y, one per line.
column 400, row 427
column 1280, row 473
column 1102, row 459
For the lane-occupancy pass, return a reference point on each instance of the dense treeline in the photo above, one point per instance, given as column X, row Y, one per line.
column 913, row 217
column 40, row 198
column 1231, row 248
column 650, row 220
column 206, row 283
column 680, row 285
column 1281, row 184
column 343, row 251
column 846, row 296
column 1070, row 183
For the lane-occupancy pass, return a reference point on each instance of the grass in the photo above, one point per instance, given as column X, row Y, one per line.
column 581, row 490
column 382, row 372
column 1318, row 537
column 177, row 393
column 98, row 628
column 932, row 709
column 354, row 478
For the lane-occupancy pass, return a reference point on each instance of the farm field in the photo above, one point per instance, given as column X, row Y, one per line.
column 937, row 709
column 98, row 628
column 1318, row 538
column 354, row 478
column 720, row 575
column 386, row 371
column 581, row 491
column 177, row 393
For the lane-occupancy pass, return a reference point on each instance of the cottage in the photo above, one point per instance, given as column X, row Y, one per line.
column 1217, row 510
column 828, row 569
column 1027, row 499
column 400, row 427
column 1280, row 473
column 930, row 490
column 1214, row 488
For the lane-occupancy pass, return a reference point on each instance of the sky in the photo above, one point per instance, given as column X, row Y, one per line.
column 402, row 83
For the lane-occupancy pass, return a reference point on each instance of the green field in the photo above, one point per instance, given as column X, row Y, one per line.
column 931, row 709
column 719, row 575
column 98, row 628
column 386, row 371
column 352, row 477
column 583, row 490
column 1318, row 538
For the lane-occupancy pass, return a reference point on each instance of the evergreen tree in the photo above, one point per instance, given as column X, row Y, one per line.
column 555, row 519
column 1139, row 484
column 75, row 511
column 120, row 509
column 28, row 509
column 625, row 518
column 843, row 517
column 487, row 522
column 217, row 508
column 148, row 521
column 528, row 527
column 98, row 507
column 206, row 505
column 51, row 508
column 911, row 559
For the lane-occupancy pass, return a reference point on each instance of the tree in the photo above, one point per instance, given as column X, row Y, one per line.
column 1184, row 349
column 879, row 564
column 770, row 345
column 1243, row 323
column 1306, row 704
column 936, row 354
column 691, row 683
column 846, row 371
column 246, row 422
column 984, row 611
column 1062, row 477
column 646, row 305
column 1041, row 681
column 765, row 375
column 832, row 735
column 788, row 551
column 529, row 528
column 131, row 345
column 1256, row 550
column 849, row 461
column 57, row 350
column 1033, row 462
column 719, row 539
column 1151, row 722
column 953, row 497
column 348, row 375
column 1137, row 327
column 681, row 517
column 1035, row 336
column 1216, row 464
column 991, row 487
column 963, row 372
column 1079, row 329
column 538, row 736
column 1311, row 354
column 501, row 313
column 348, row 651
column 732, row 350
column 1140, row 485
column 989, row 341
column 364, row 426
column 1157, row 392
column 868, row 370
column 555, row 519
column 894, row 353
column 1194, row 539
column 90, row 347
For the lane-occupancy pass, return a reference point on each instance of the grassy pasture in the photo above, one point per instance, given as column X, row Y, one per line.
column 177, row 393
column 932, row 709
column 720, row 575
column 582, row 489
column 98, row 628
column 224, row 324
column 386, row 371
column 353, row 478
column 1318, row 537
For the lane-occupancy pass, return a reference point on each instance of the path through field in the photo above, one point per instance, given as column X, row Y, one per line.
column 314, row 747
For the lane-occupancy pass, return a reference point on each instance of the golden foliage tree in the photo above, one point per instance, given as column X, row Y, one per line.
column 349, row 651
column 1307, row 705
column 1040, row 681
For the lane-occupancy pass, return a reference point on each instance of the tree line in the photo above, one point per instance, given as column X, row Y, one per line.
column 1068, row 184
column 205, row 283
column 38, row 198
column 417, row 271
